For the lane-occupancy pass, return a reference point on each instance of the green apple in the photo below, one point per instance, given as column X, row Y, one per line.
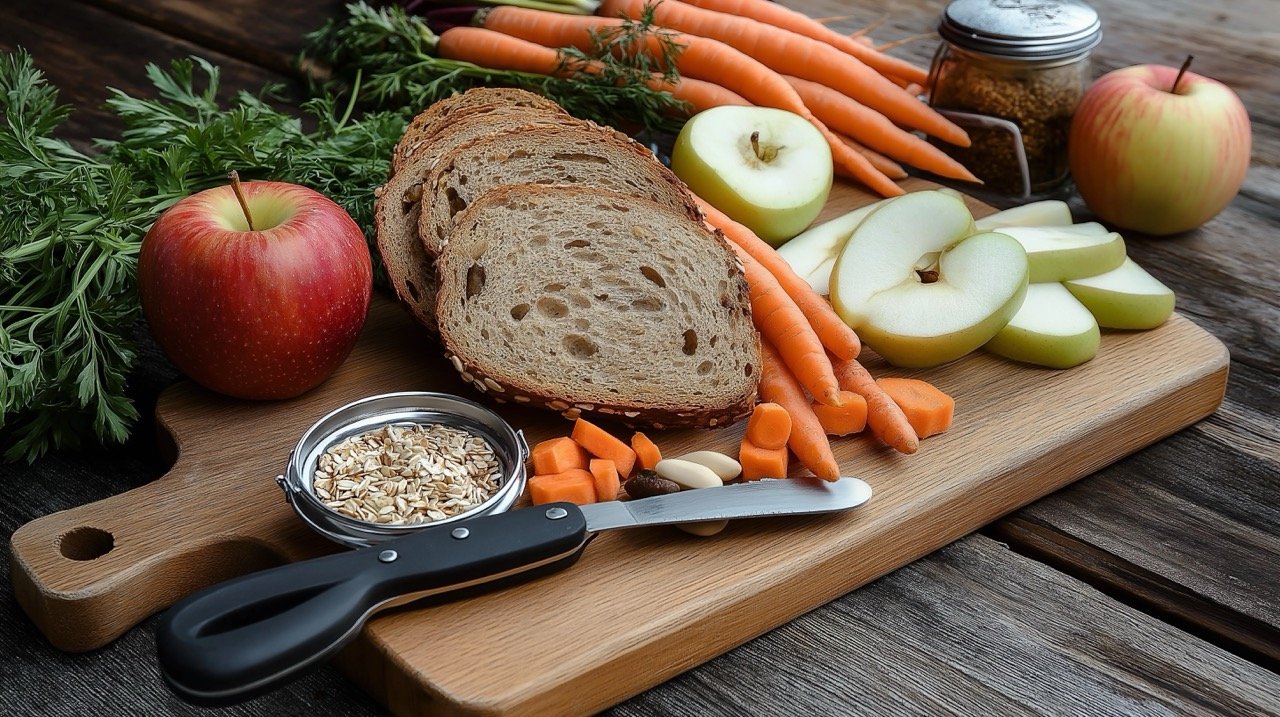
column 920, row 286
column 1125, row 298
column 1071, row 252
column 1051, row 329
column 1049, row 213
column 766, row 168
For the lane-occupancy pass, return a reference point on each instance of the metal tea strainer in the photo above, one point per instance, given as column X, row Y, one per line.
column 398, row 409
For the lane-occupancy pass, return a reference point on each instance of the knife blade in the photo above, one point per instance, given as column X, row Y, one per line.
column 753, row 499
column 246, row 636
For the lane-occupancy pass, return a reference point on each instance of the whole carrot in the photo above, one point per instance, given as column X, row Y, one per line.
column 701, row 58
column 888, row 167
column 700, row 95
column 885, row 419
column 808, row 440
column 834, row 333
column 786, row 52
column 778, row 318
column 786, row 18
column 497, row 51
column 873, row 129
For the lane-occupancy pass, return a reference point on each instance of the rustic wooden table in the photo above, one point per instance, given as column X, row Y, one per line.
column 1148, row 588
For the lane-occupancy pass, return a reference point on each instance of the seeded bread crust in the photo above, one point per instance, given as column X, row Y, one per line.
column 642, row 231
column 479, row 100
column 583, row 154
column 397, row 203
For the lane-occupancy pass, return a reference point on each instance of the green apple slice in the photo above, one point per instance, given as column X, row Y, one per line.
column 1051, row 329
column 809, row 249
column 812, row 253
column 1125, row 298
column 920, row 287
column 1049, row 213
column 820, row 279
column 1074, row 252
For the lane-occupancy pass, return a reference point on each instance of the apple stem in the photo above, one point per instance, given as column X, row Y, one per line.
column 1181, row 71
column 234, row 176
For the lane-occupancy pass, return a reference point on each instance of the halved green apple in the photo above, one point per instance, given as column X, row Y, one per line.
column 1051, row 329
column 767, row 168
column 1071, row 252
column 1049, row 213
column 920, row 286
column 1125, row 298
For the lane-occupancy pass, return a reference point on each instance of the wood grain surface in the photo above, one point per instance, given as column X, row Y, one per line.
column 1013, row 443
column 1225, row 277
column 1037, row 643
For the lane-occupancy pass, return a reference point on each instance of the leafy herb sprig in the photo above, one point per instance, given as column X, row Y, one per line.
column 72, row 224
column 393, row 55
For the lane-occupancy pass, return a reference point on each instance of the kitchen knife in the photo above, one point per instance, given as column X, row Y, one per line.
column 246, row 636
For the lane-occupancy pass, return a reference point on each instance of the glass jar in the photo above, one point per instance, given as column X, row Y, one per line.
column 1011, row 72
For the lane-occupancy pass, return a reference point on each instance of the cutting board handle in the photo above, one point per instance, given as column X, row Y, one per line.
column 88, row 574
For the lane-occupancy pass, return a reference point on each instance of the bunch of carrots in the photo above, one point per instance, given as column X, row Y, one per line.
column 739, row 52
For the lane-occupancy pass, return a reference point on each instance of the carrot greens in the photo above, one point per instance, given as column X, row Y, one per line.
column 73, row 221
column 394, row 55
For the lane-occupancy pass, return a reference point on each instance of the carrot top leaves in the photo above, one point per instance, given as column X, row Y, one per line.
column 393, row 54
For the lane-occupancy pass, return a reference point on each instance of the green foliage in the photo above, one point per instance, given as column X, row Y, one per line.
column 393, row 54
column 73, row 223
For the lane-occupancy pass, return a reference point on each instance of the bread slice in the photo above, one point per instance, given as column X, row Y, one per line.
column 585, row 154
column 409, row 268
column 479, row 100
column 592, row 302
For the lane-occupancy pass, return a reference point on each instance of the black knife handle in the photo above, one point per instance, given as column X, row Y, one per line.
column 246, row 636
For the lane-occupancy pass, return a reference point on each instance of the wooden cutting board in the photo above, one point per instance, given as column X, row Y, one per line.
column 641, row 606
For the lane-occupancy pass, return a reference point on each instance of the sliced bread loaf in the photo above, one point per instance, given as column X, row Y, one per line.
column 585, row 154
column 409, row 268
column 480, row 100
column 586, row 301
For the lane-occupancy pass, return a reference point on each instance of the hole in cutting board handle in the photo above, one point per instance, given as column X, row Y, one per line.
column 85, row 543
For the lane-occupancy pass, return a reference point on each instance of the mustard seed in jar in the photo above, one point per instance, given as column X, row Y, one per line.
column 1012, row 73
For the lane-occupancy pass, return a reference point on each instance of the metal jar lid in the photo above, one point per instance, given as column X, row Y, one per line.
column 374, row 412
column 1022, row 29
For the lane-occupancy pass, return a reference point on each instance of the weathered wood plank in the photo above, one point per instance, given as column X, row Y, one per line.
column 84, row 51
column 1191, row 509
column 1236, row 632
column 972, row 629
column 263, row 33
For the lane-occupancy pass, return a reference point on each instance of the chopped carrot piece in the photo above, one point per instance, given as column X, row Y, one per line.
column 885, row 419
column 769, row 426
column 572, row 486
column 928, row 410
column 601, row 444
column 557, row 455
column 849, row 418
column 760, row 462
column 647, row 451
column 607, row 483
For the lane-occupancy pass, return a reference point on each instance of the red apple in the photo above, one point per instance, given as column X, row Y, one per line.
column 263, row 308
column 1158, row 151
